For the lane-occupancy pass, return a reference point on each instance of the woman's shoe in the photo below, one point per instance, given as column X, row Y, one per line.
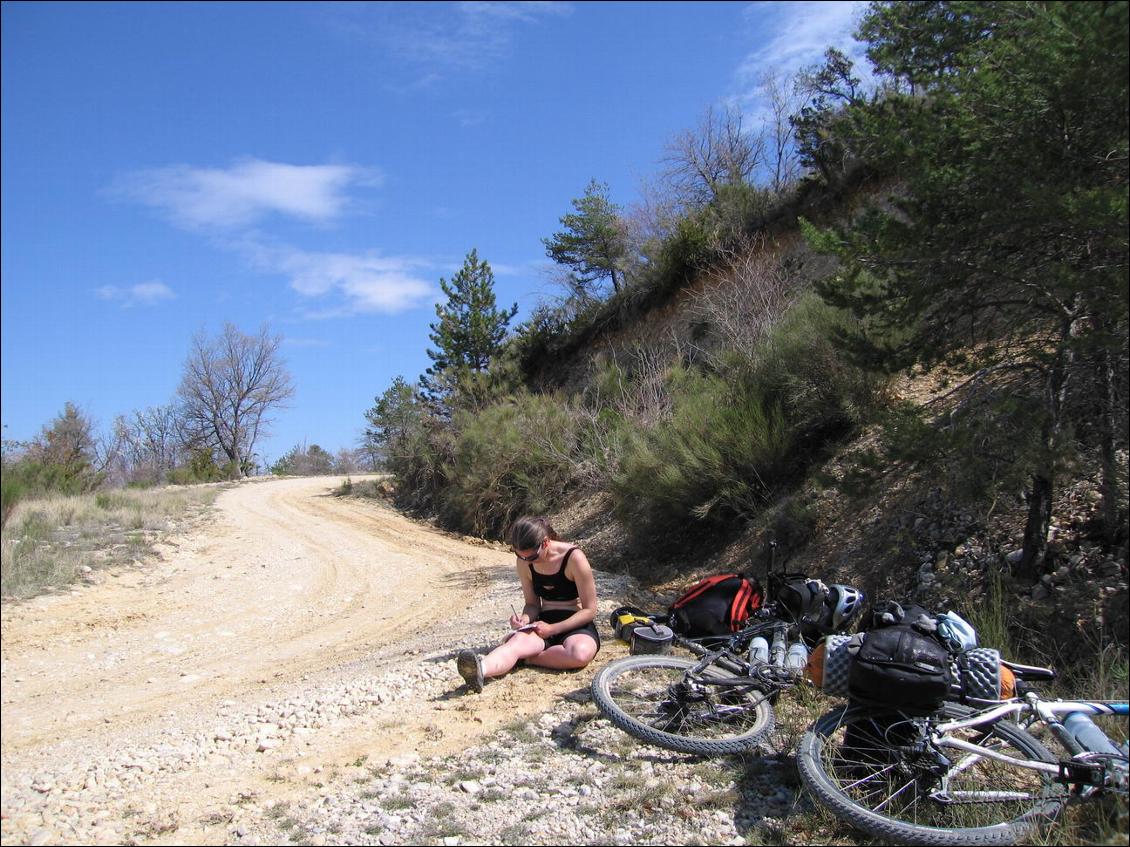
column 470, row 667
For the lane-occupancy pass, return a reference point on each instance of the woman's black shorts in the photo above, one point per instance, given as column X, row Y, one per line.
column 558, row 615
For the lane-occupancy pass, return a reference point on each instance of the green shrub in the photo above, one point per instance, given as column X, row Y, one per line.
column 602, row 438
column 822, row 393
column 683, row 254
column 515, row 457
column 113, row 500
column 737, row 435
column 201, row 467
column 12, row 490
column 711, row 459
column 28, row 477
column 420, row 460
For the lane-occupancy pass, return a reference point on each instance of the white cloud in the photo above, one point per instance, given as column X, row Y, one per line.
column 142, row 294
column 515, row 11
column 530, row 268
column 798, row 33
column 470, row 36
column 352, row 283
column 246, row 192
column 792, row 36
column 470, row 117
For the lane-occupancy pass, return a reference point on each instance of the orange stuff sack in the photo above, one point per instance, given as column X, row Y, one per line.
column 1008, row 683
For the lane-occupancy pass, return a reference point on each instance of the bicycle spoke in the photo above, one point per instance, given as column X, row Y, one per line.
column 894, row 796
column 710, row 709
column 868, row 778
column 889, row 769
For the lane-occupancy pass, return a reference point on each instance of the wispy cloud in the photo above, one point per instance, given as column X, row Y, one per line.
column 531, row 268
column 341, row 284
column 442, row 38
column 798, row 33
column 245, row 193
column 305, row 342
column 470, row 117
column 142, row 294
column 229, row 204
column 792, row 36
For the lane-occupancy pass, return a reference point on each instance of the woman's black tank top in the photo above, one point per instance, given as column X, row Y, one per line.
column 555, row 586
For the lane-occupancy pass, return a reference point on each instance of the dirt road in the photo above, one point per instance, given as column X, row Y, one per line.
column 292, row 634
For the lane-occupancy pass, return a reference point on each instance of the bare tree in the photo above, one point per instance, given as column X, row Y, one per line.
column 349, row 461
column 746, row 293
column 651, row 219
column 783, row 101
column 230, row 386
column 150, row 441
column 718, row 153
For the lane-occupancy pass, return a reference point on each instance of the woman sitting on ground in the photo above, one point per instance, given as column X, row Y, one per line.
column 555, row 628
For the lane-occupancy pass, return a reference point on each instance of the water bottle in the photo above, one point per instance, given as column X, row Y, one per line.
column 1089, row 736
column 797, row 658
column 777, row 650
column 758, row 651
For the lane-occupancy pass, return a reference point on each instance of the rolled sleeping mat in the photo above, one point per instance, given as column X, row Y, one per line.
column 977, row 675
column 829, row 664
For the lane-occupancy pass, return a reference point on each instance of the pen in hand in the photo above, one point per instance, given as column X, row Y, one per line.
column 523, row 627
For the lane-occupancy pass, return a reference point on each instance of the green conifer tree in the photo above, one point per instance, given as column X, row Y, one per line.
column 468, row 335
column 1002, row 244
column 593, row 244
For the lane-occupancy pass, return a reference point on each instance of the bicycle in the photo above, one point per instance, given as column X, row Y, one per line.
column 719, row 704
column 961, row 776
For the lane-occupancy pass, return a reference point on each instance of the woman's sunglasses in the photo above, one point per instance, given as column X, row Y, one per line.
column 532, row 558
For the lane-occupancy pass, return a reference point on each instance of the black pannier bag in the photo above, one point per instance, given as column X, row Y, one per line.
column 900, row 667
column 718, row 605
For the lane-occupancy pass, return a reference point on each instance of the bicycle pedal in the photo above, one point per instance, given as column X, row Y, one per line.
column 1081, row 773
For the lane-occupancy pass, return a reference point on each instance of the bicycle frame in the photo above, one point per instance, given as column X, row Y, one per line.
column 1043, row 711
column 767, row 679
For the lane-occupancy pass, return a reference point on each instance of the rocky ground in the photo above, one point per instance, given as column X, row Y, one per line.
column 275, row 680
column 285, row 674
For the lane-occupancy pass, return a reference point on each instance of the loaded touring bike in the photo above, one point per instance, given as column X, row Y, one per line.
column 962, row 776
column 716, row 704
column 721, row 701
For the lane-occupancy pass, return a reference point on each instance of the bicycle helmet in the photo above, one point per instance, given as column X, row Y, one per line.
column 841, row 604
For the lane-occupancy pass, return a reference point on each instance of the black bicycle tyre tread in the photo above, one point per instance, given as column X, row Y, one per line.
column 825, row 790
column 602, row 696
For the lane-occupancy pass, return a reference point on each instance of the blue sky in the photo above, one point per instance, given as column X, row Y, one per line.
column 167, row 167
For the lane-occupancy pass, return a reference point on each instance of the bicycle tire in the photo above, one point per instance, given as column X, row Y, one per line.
column 643, row 685
column 879, row 775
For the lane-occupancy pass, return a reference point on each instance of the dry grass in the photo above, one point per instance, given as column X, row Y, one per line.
column 48, row 542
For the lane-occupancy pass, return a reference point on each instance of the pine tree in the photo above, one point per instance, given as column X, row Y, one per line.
column 593, row 244
column 1002, row 248
column 468, row 335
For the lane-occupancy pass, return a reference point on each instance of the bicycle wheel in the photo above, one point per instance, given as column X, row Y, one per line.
column 652, row 698
column 873, row 771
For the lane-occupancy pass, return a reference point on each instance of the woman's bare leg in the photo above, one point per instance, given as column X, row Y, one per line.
column 576, row 652
column 520, row 645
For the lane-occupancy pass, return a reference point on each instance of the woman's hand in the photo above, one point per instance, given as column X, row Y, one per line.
column 543, row 629
column 519, row 621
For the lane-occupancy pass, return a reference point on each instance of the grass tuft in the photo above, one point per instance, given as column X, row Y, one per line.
column 47, row 541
